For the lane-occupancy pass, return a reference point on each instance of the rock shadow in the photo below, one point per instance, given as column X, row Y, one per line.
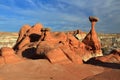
column 103, row 64
column 30, row 54
column 34, row 37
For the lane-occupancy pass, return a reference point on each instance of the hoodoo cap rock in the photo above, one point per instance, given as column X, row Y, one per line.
column 93, row 18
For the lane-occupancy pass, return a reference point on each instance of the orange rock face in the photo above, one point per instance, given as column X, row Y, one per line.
column 22, row 32
column 113, row 57
column 92, row 40
column 28, row 34
column 2, row 60
column 36, row 29
column 8, row 56
column 57, row 56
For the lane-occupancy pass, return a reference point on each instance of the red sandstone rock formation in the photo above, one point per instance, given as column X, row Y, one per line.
column 60, row 47
column 8, row 56
column 27, row 35
column 113, row 57
column 22, row 32
column 36, row 29
column 2, row 60
column 57, row 47
column 92, row 40
column 57, row 56
column 21, row 37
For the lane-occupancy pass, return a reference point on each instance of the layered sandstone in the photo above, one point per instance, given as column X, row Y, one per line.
column 91, row 38
column 57, row 47
column 113, row 57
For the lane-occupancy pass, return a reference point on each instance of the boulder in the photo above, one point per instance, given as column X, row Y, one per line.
column 22, row 35
column 22, row 32
column 28, row 34
column 9, row 55
column 24, row 42
column 36, row 29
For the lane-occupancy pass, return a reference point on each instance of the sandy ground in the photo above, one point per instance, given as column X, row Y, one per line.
column 43, row 70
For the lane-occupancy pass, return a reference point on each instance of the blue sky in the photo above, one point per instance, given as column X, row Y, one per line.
column 60, row 15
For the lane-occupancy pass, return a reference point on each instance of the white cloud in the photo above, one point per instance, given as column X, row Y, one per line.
column 64, row 12
column 31, row 2
column 4, row 6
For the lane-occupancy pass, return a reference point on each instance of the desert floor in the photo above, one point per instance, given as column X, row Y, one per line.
column 43, row 70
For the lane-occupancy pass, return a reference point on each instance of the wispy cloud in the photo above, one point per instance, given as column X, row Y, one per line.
column 61, row 14
column 32, row 3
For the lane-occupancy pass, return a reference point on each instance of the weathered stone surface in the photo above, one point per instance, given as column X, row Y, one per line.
column 2, row 60
column 92, row 40
column 49, row 37
column 60, row 36
column 71, row 54
column 54, row 47
column 44, row 46
column 57, row 56
column 59, row 47
column 22, row 37
column 24, row 42
column 28, row 34
column 113, row 57
column 36, row 29
column 93, row 19
column 22, row 32
column 9, row 56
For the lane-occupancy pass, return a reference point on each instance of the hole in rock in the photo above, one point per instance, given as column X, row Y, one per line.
column 30, row 54
column 34, row 37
